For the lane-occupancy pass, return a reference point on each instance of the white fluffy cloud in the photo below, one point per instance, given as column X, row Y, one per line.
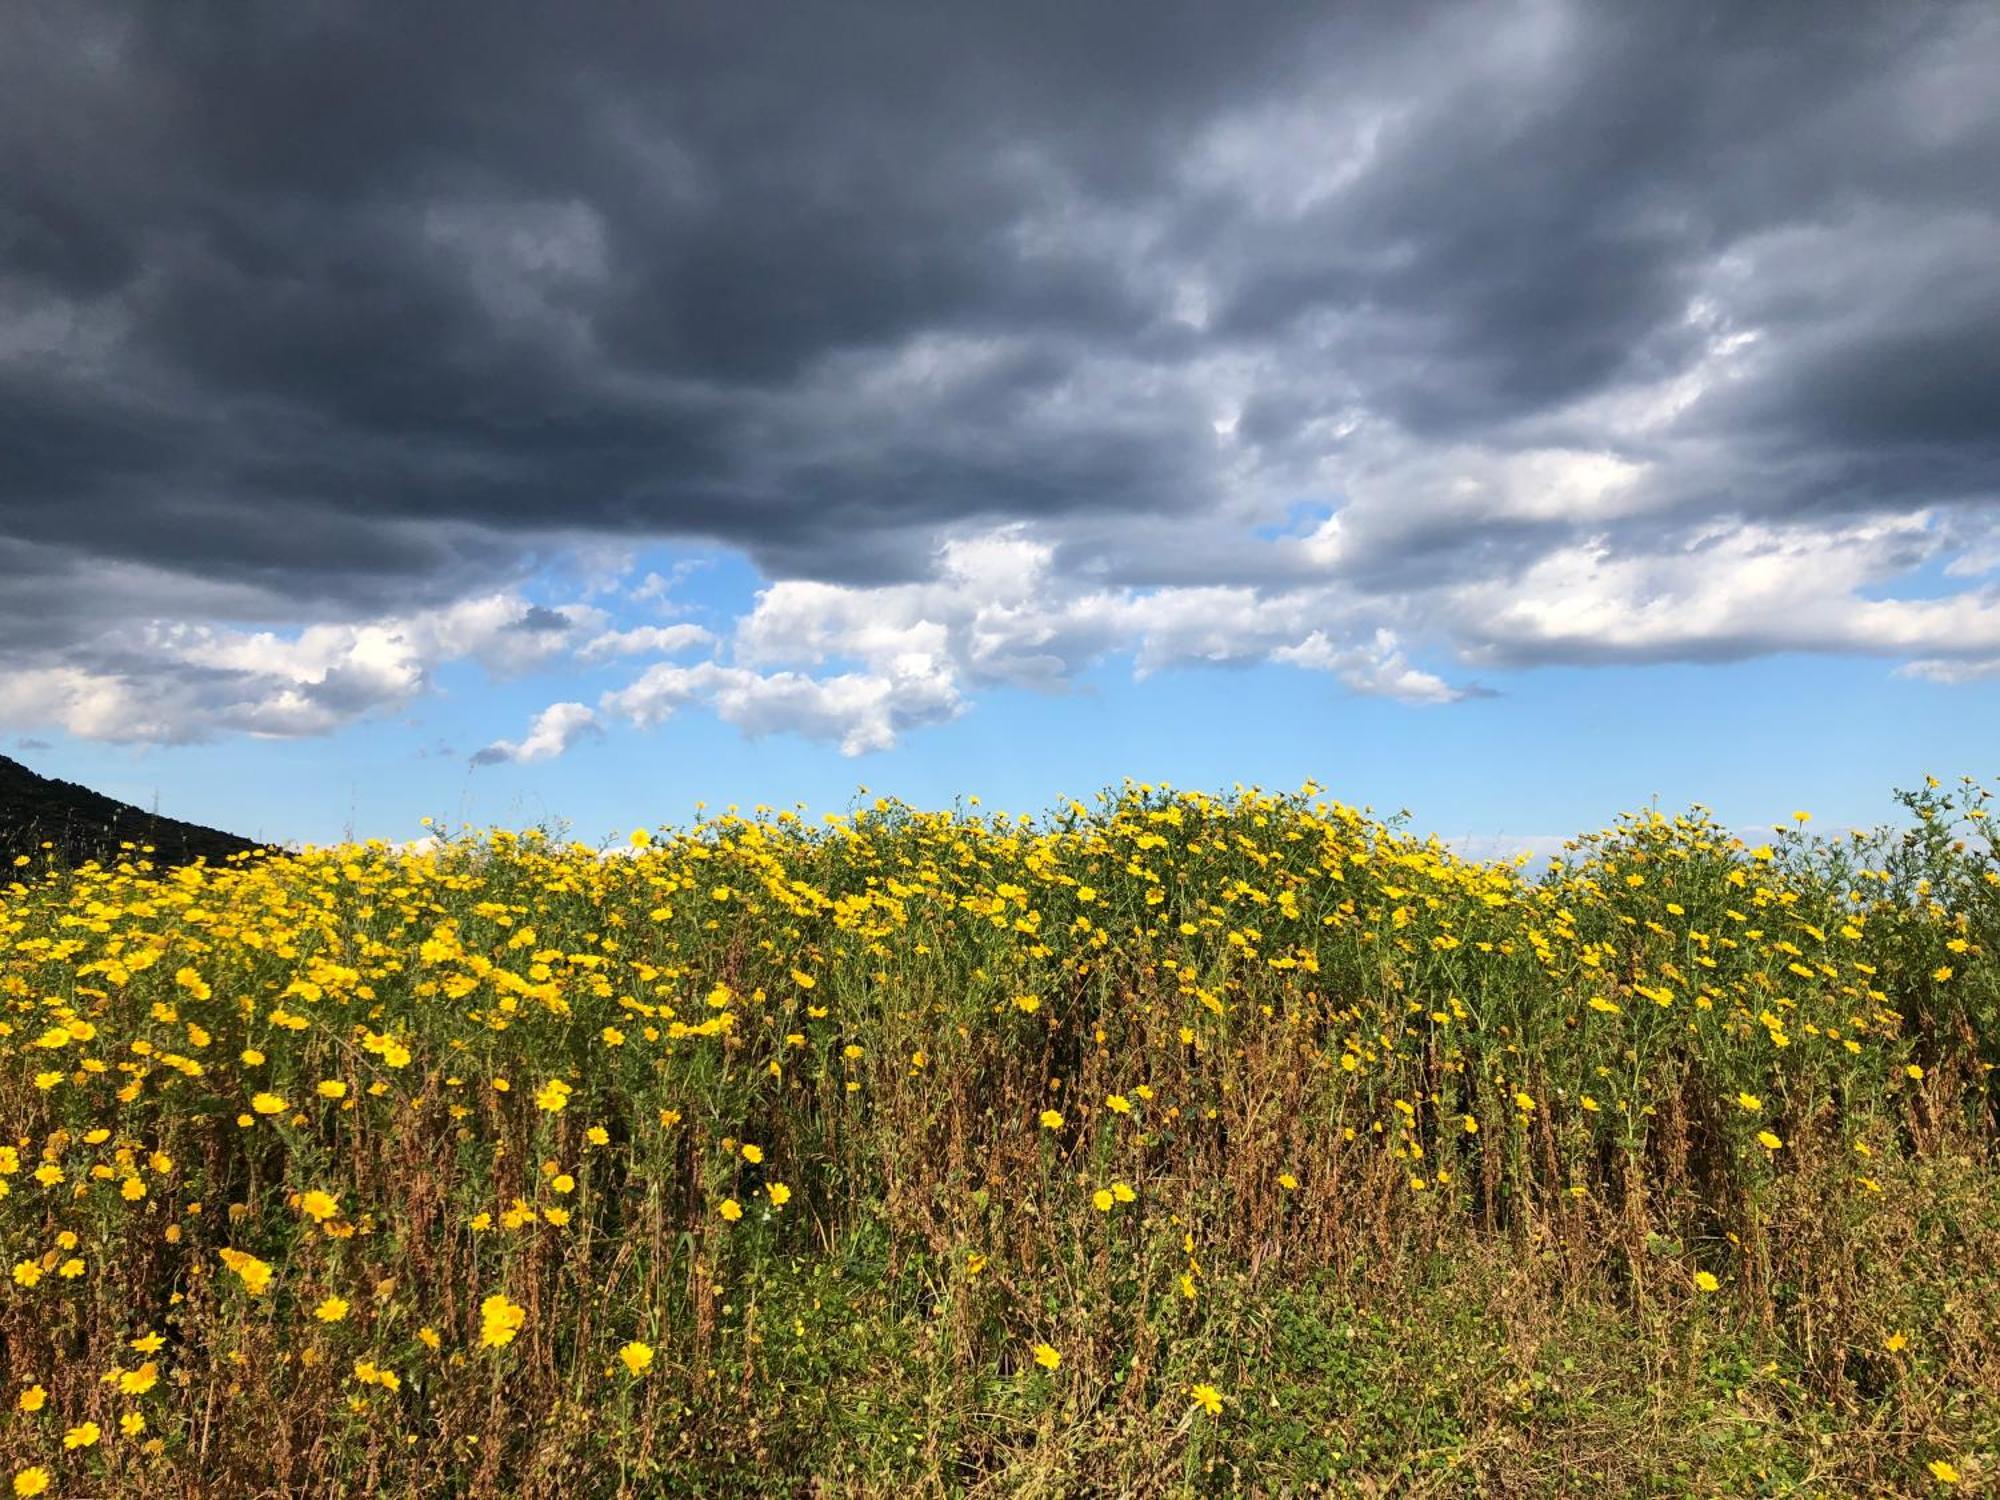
column 1376, row 667
column 1723, row 592
column 862, row 666
column 1937, row 669
column 644, row 640
column 174, row 683
column 1000, row 612
column 859, row 711
column 554, row 730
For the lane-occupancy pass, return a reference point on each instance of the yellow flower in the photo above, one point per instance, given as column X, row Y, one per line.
column 149, row 1343
column 267, row 1104
column 27, row 1272
column 1208, row 1398
column 256, row 1274
column 83, row 1435
column 780, row 1194
column 330, row 1088
column 1123, row 1193
column 332, row 1310
column 1118, row 1104
column 1768, row 1141
column 637, row 1357
column 318, row 1206
column 1913, row 1071
column 33, row 1399
column 369, row 1373
column 1706, row 1281
column 138, row 1382
column 1047, row 1357
column 31, row 1481
column 1288, row 1182
column 1102, row 1200
column 1051, row 1120
column 1942, row 1471
column 553, row 1095
column 132, row 1423
column 974, row 1263
column 731, row 1210
column 1896, row 1343
column 1749, row 1101
column 641, row 838
column 1028, row 1004
column 1523, row 1102
column 499, row 1320
column 753, row 1154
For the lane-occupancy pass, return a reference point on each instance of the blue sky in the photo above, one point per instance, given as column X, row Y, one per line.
column 1511, row 410
column 1554, row 750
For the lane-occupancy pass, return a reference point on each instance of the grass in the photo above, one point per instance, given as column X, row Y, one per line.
column 957, row 1154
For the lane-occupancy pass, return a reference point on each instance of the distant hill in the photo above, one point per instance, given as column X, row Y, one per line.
column 85, row 825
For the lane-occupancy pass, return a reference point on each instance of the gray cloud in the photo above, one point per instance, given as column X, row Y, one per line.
column 549, row 273
column 329, row 312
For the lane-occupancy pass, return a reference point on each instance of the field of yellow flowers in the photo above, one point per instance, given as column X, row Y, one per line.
column 1178, row 1144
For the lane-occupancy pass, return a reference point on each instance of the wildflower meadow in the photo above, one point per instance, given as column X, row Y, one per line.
column 1174, row 1144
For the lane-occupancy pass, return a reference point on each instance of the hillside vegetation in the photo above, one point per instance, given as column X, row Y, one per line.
column 42, row 815
column 1178, row 1144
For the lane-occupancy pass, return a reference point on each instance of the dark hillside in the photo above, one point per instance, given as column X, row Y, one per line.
column 84, row 825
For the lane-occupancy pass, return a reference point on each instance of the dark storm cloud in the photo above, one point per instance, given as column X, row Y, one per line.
column 546, row 269
column 343, row 304
column 1538, row 236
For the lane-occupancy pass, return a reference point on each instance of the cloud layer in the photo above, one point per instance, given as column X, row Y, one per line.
column 1398, row 344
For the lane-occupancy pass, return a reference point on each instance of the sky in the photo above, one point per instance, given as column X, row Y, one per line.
column 1513, row 412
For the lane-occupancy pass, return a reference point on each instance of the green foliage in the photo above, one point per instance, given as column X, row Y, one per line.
column 945, row 1153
